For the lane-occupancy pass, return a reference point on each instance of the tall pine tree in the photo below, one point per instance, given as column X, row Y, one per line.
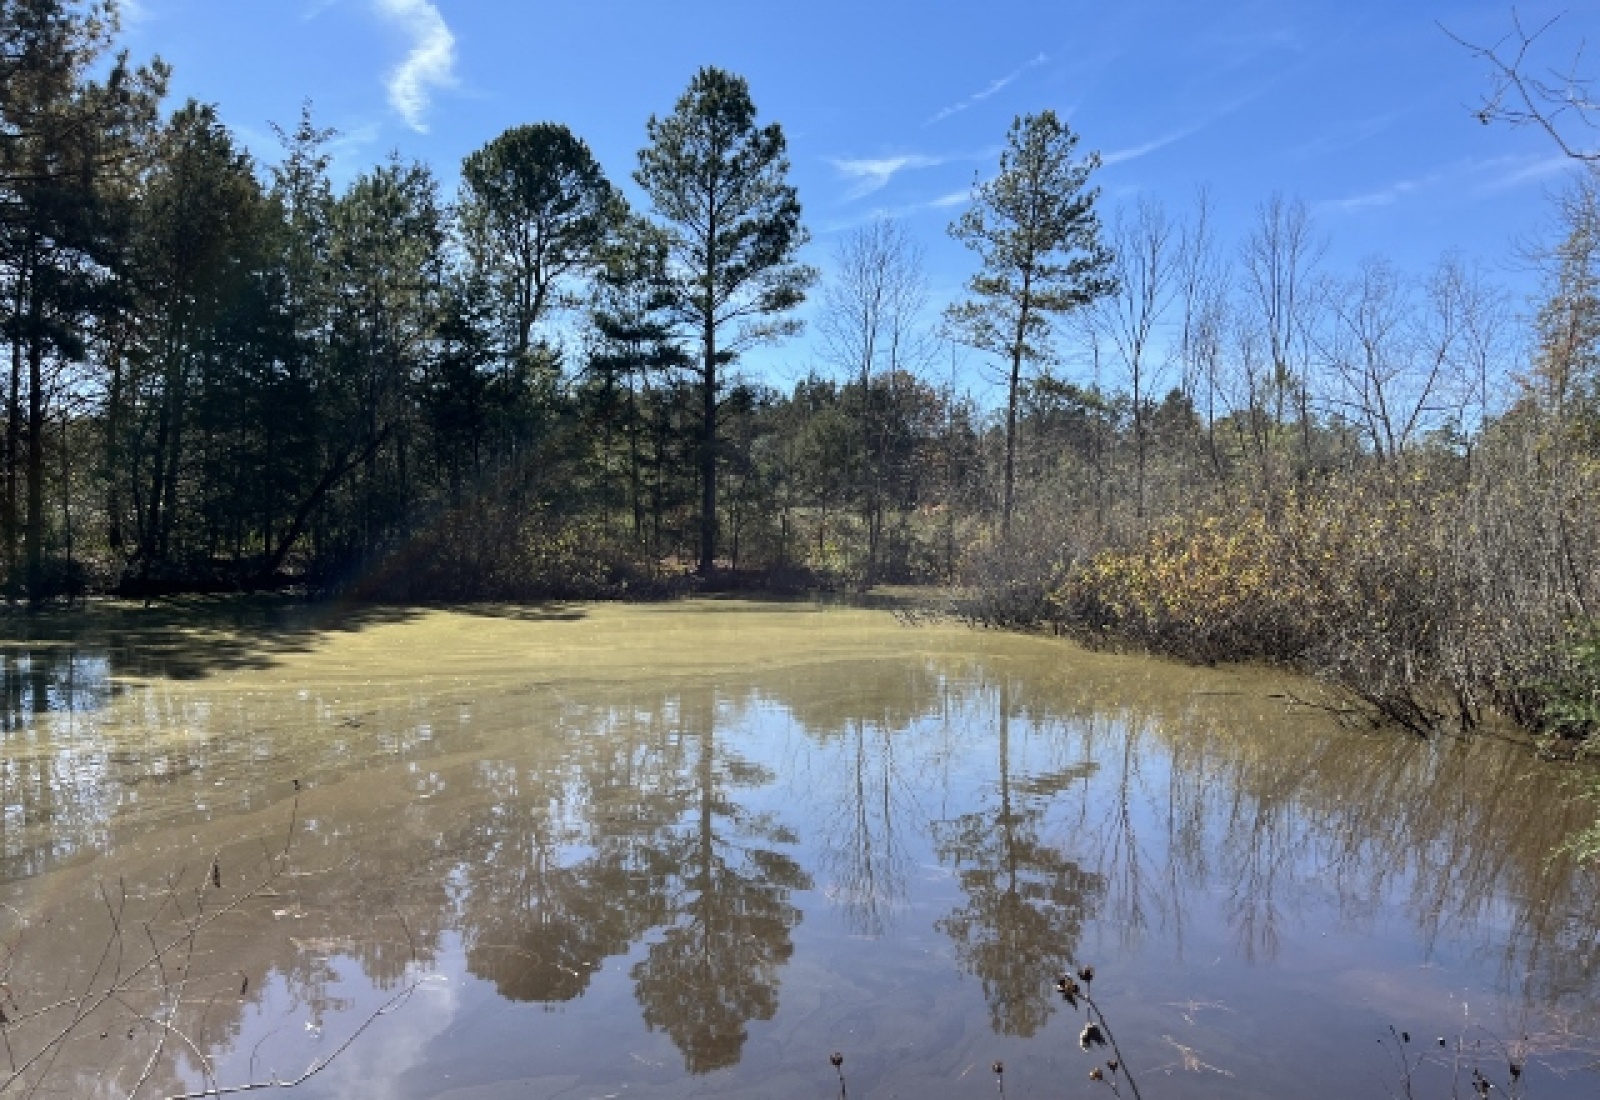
column 720, row 183
column 1035, row 230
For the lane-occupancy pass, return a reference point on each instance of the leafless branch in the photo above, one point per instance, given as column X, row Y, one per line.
column 322, row 1063
column 165, row 967
column 1524, row 92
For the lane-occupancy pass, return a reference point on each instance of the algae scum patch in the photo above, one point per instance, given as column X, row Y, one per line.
column 692, row 849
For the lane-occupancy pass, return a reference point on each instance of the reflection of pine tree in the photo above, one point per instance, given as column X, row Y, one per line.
column 539, row 928
column 1026, row 902
column 716, row 967
column 539, row 918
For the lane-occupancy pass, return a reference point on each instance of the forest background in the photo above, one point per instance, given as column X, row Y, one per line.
column 225, row 374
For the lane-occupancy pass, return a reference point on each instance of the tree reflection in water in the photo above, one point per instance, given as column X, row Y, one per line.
column 569, row 870
column 864, row 849
column 625, row 819
column 716, row 967
column 870, row 776
column 1026, row 901
column 625, row 826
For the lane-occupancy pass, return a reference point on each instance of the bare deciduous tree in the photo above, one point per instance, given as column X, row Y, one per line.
column 1279, row 259
column 872, row 328
column 1484, row 346
column 1203, row 299
column 1250, row 381
column 1146, row 272
column 1388, row 354
column 1567, row 359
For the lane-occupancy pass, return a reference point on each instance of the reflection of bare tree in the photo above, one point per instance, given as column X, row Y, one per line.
column 1469, row 832
column 1183, row 817
column 1119, row 854
column 872, row 770
column 1026, row 902
column 1262, row 854
column 51, row 782
column 864, row 849
column 716, row 967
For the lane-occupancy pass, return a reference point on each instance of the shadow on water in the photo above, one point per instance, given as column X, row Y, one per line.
column 191, row 638
column 551, row 612
column 65, row 774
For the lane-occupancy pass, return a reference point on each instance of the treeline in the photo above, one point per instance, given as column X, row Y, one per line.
column 221, row 375
column 225, row 375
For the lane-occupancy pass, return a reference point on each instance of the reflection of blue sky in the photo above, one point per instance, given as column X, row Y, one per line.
column 281, row 1034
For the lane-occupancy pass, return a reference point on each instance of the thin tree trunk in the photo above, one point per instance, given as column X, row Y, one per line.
column 113, row 448
column 66, row 503
column 708, row 451
column 1024, row 310
column 35, row 532
column 13, row 452
column 1011, row 443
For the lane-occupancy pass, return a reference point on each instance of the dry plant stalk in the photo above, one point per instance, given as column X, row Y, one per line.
column 1097, row 1032
column 134, row 961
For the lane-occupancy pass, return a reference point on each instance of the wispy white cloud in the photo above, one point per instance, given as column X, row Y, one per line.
column 1471, row 179
column 990, row 89
column 354, row 140
column 904, row 210
column 1345, row 136
column 1245, row 44
column 1507, row 173
column 1120, row 156
column 1369, row 200
column 429, row 65
column 869, row 174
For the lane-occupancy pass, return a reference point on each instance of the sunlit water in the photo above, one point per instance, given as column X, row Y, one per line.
column 691, row 849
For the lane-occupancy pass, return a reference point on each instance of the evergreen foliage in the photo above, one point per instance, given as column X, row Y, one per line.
column 719, row 183
column 1037, row 236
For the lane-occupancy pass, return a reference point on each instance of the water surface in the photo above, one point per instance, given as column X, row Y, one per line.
column 691, row 849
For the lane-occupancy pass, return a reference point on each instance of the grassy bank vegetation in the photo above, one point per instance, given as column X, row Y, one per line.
column 1431, row 592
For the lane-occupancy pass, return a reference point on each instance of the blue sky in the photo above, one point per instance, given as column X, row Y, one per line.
column 1361, row 108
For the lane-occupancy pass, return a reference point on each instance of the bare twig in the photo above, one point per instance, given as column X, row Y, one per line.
column 1522, row 94
column 319, row 1064
column 168, row 962
column 322, row 1063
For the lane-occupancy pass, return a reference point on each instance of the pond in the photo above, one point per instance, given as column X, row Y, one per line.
column 692, row 849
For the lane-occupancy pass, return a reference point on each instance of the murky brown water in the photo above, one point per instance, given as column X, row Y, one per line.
column 690, row 849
